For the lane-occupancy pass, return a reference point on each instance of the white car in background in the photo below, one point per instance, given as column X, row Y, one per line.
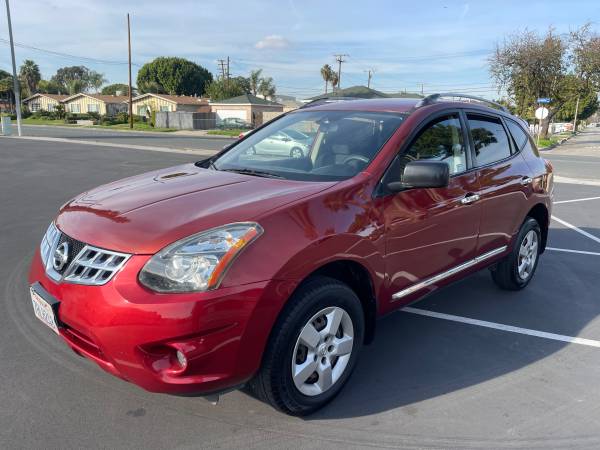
column 286, row 142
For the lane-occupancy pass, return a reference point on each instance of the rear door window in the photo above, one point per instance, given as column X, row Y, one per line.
column 522, row 139
column 489, row 139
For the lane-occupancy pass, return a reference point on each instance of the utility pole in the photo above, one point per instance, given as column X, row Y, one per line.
column 224, row 66
column 130, row 88
column 575, row 119
column 340, row 59
column 422, row 89
column 370, row 72
column 14, row 67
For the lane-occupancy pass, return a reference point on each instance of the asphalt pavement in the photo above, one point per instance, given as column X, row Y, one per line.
column 426, row 382
column 174, row 140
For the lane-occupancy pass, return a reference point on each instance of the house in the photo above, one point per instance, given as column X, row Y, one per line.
column 363, row 92
column 289, row 103
column 247, row 107
column 109, row 105
column 143, row 104
column 43, row 102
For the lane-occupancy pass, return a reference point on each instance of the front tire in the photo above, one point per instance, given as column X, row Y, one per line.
column 313, row 348
column 516, row 270
column 296, row 152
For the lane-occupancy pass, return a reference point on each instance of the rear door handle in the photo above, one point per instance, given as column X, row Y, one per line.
column 526, row 180
column 470, row 198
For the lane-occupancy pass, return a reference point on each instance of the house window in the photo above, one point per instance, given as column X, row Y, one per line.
column 93, row 107
column 165, row 108
column 51, row 107
column 35, row 107
column 75, row 108
column 141, row 110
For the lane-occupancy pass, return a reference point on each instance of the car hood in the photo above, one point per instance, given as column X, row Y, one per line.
column 144, row 213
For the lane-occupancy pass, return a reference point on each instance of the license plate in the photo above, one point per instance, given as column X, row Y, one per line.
column 43, row 310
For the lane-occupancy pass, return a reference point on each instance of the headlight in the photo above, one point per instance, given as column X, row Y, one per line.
column 198, row 262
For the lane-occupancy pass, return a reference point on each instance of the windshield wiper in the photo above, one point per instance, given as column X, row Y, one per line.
column 256, row 173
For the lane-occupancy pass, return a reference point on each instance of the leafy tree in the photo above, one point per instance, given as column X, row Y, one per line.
column 29, row 73
column 59, row 111
column 175, row 76
column 221, row 89
column 254, row 81
column 50, row 87
column 266, row 87
column 244, row 83
column 112, row 89
column 75, row 79
column 326, row 74
column 562, row 68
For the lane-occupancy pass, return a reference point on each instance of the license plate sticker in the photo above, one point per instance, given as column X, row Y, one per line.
column 43, row 311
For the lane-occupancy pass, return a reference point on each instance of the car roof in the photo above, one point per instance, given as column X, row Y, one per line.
column 399, row 105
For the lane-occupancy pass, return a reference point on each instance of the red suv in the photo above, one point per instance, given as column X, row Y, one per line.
column 264, row 268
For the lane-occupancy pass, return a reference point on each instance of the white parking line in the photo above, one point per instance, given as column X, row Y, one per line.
column 567, row 180
column 577, row 200
column 568, row 250
column 579, row 230
column 502, row 327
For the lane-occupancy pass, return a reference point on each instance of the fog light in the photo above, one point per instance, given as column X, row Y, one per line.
column 181, row 359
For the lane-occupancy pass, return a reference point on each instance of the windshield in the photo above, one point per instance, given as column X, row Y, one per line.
column 312, row 145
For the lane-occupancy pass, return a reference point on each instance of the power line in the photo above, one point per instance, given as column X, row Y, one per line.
column 67, row 55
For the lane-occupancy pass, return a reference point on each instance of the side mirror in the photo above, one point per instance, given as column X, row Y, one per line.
column 422, row 174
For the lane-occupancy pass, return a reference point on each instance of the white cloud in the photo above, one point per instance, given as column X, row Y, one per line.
column 273, row 41
column 465, row 11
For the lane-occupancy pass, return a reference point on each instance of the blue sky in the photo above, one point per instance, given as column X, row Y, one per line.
column 443, row 44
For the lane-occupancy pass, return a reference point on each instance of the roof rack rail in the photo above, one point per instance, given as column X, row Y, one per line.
column 432, row 98
column 329, row 99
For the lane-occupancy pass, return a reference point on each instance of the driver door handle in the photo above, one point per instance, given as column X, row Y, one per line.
column 526, row 180
column 470, row 198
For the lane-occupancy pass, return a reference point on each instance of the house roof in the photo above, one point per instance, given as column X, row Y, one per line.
column 178, row 99
column 246, row 99
column 354, row 91
column 57, row 97
column 102, row 98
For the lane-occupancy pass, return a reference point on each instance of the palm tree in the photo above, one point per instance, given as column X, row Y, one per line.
column 334, row 80
column 29, row 73
column 326, row 73
column 255, row 80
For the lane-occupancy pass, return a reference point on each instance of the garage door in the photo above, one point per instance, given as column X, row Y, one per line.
column 232, row 113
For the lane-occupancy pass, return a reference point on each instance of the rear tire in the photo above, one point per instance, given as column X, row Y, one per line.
column 296, row 152
column 516, row 270
column 313, row 348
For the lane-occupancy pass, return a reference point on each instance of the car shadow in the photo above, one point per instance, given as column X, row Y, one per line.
column 414, row 358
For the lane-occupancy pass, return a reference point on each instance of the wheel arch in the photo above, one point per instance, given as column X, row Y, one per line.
column 357, row 277
column 540, row 213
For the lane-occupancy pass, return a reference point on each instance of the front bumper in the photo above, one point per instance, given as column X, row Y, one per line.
column 134, row 333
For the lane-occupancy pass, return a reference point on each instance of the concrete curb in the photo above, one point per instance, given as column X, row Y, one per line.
column 187, row 151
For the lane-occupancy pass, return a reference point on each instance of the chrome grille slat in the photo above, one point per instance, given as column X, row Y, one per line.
column 90, row 265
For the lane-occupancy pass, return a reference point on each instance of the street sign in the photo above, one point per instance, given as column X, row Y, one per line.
column 544, row 100
column 541, row 113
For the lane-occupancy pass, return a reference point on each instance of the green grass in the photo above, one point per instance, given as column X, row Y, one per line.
column 32, row 121
column 543, row 143
column 235, row 132
column 139, row 126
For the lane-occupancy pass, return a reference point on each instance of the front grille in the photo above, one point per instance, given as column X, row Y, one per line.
column 94, row 265
column 85, row 264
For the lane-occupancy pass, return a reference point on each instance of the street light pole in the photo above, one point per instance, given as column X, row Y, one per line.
column 14, row 67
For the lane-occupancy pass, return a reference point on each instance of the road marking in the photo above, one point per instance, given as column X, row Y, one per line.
column 502, row 327
column 577, row 200
column 567, row 180
column 117, row 145
column 579, row 230
column 568, row 250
